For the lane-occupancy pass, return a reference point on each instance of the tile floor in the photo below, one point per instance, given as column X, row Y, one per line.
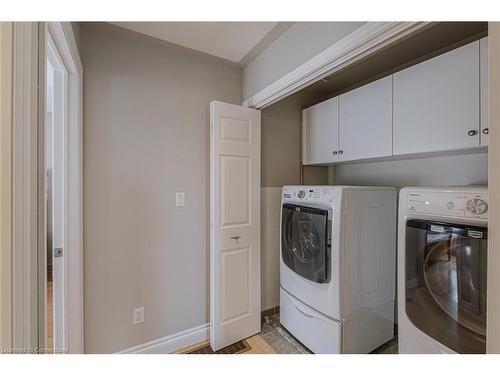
column 283, row 342
column 274, row 339
column 390, row 347
column 278, row 338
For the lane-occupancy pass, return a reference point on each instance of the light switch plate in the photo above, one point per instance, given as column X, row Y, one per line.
column 180, row 199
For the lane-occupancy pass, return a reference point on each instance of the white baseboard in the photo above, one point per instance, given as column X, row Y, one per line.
column 172, row 343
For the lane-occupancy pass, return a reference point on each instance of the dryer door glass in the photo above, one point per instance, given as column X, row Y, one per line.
column 446, row 283
column 304, row 241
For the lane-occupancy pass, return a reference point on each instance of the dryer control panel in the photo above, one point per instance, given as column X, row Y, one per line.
column 458, row 204
column 308, row 193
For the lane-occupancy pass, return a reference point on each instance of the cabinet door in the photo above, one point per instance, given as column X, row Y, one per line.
column 365, row 121
column 320, row 132
column 483, row 59
column 436, row 103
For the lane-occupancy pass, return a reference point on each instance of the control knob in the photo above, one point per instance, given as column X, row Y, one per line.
column 301, row 194
column 476, row 206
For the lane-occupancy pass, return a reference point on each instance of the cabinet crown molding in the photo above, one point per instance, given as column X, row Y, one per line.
column 363, row 41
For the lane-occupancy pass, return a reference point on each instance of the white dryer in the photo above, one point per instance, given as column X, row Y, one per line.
column 338, row 266
column 442, row 262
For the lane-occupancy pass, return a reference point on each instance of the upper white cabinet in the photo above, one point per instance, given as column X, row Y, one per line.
column 319, row 132
column 365, row 121
column 483, row 60
column 436, row 103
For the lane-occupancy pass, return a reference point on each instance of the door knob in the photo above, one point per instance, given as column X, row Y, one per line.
column 471, row 133
column 486, row 131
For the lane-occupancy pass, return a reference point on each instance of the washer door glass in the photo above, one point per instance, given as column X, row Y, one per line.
column 304, row 241
column 446, row 283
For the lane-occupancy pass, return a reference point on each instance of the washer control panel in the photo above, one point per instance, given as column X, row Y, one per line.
column 308, row 193
column 469, row 205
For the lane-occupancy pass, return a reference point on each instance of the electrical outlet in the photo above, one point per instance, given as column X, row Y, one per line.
column 139, row 315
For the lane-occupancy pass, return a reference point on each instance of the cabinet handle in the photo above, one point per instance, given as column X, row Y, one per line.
column 334, row 152
column 486, row 131
column 471, row 133
column 341, row 151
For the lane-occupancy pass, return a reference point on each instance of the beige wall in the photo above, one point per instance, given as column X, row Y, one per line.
column 270, row 209
column 281, row 137
column 453, row 170
column 299, row 43
column 76, row 31
column 282, row 144
column 493, row 323
column 146, row 136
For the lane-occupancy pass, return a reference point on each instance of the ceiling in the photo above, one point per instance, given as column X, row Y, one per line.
column 233, row 41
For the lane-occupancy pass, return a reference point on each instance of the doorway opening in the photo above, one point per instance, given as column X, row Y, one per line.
column 62, row 268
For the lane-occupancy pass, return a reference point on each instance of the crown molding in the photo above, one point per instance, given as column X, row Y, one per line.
column 362, row 42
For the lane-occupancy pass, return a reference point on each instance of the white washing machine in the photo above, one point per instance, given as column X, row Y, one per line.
column 338, row 266
column 442, row 259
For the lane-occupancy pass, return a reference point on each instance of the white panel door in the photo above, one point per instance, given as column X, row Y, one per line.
column 436, row 103
column 365, row 121
column 483, row 59
column 320, row 132
column 234, row 223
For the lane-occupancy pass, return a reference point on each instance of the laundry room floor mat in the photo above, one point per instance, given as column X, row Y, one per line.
column 273, row 339
column 236, row 348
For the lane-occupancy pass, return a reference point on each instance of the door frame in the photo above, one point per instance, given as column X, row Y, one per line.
column 28, row 243
column 61, row 37
column 6, row 51
column 493, row 297
column 25, row 128
column 58, row 183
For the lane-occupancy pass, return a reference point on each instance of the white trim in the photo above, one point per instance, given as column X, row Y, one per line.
column 493, row 297
column 365, row 40
column 62, row 36
column 172, row 343
column 42, row 212
column 25, row 187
